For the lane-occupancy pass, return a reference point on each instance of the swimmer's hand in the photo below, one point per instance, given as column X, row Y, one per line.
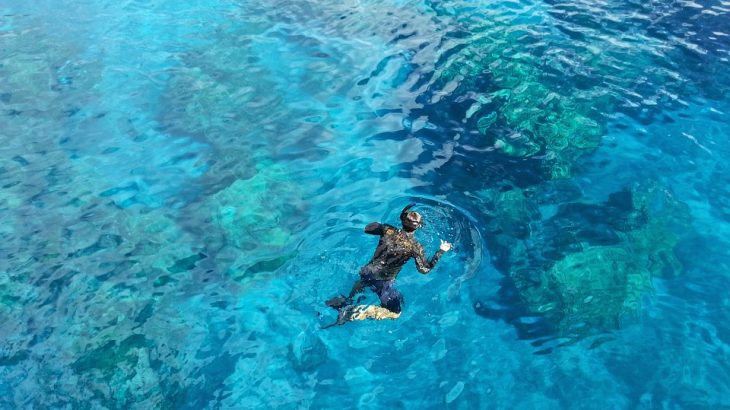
column 445, row 246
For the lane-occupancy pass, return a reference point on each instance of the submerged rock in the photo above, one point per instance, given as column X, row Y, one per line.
column 253, row 213
column 258, row 215
column 593, row 288
column 588, row 266
column 543, row 119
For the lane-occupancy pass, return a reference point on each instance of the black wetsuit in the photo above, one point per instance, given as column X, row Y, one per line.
column 394, row 249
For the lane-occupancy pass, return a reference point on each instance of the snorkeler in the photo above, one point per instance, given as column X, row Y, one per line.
column 394, row 249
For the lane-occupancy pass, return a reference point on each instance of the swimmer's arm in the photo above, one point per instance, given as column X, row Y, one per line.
column 422, row 264
column 374, row 228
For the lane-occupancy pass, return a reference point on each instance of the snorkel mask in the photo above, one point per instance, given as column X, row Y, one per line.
column 411, row 220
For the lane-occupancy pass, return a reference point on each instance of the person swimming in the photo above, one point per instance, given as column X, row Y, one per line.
column 395, row 248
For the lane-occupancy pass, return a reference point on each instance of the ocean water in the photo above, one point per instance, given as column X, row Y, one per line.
column 184, row 183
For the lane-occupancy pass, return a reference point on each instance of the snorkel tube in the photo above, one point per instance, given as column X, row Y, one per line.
column 404, row 212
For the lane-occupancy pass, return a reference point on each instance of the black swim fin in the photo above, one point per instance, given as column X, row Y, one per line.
column 344, row 315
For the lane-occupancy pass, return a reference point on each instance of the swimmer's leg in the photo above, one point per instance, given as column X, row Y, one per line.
column 391, row 302
column 356, row 288
column 390, row 299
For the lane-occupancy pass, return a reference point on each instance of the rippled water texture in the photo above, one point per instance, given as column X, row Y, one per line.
column 183, row 183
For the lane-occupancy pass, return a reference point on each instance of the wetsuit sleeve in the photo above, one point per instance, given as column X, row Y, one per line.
column 423, row 265
column 375, row 228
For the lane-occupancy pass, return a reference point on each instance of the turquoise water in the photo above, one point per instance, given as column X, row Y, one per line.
column 183, row 184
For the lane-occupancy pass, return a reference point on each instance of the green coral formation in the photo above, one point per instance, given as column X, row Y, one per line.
column 259, row 215
column 511, row 212
column 593, row 287
column 547, row 122
column 216, row 96
column 586, row 279
column 550, row 91
column 544, row 119
column 666, row 219
column 213, row 97
column 589, row 264
column 249, row 211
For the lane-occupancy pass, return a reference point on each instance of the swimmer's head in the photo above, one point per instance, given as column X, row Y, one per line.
column 410, row 220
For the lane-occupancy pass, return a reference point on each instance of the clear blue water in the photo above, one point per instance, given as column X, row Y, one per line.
column 183, row 184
